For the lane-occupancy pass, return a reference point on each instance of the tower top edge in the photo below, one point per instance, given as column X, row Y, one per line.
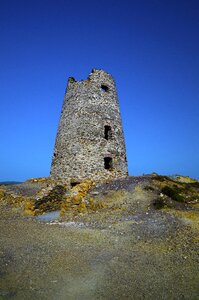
column 92, row 74
column 95, row 70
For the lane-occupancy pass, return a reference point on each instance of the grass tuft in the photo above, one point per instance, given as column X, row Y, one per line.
column 173, row 193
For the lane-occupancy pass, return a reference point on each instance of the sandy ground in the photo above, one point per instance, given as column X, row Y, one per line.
column 139, row 254
column 146, row 257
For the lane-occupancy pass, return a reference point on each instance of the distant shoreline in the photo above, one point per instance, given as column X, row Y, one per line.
column 10, row 182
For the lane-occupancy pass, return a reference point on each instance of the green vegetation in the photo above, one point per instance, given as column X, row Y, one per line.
column 159, row 203
column 173, row 193
column 53, row 200
column 162, row 178
column 193, row 185
column 149, row 188
column 181, row 189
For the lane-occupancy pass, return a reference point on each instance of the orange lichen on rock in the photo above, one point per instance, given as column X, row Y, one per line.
column 2, row 193
column 39, row 179
column 29, row 208
column 75, row 201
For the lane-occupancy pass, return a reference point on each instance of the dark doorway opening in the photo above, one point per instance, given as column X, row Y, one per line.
column 104, row 88
column 107, row 132
column 108, row 164
column 72, row 184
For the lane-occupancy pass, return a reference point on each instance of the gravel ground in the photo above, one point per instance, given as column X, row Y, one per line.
column 142, row 257
column 26, row 188
column 137, row 254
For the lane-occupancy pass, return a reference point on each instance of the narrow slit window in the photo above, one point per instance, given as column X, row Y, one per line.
column 107, row 132
column 72, row 184
column 108, row 163
column 104, row 88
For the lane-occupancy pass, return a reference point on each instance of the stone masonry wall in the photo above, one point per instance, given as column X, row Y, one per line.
column 90, row 140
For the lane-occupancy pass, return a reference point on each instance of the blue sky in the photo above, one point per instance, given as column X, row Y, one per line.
column 150, row 47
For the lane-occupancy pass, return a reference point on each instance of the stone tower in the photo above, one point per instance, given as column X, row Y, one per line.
column 90, row 139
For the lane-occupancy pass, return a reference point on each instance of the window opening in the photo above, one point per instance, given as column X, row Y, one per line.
column 107, row 132
column 108, row 163
column 72, row 184
column 104, row 88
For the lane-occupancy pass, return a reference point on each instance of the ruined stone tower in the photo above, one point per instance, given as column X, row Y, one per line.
column 90, row 140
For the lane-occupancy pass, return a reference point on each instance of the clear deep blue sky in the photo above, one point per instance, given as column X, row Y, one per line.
column 150, row 47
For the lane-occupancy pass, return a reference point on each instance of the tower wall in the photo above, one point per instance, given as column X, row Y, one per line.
column 90, row 140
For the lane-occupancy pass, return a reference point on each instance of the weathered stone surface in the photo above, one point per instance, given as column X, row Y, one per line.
column 90, row 140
